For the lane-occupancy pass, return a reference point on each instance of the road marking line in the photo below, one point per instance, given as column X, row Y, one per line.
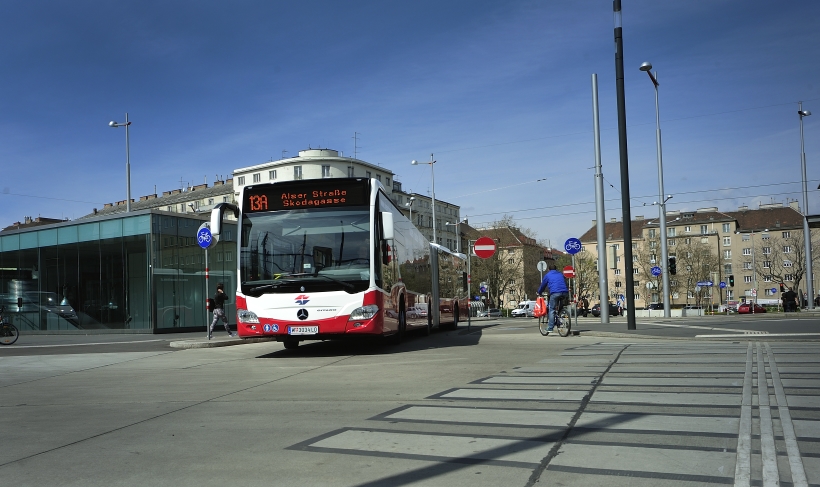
column 768, row 335
column 705, row 327
column 792, row 448
column 768, row 452
column 743, row 465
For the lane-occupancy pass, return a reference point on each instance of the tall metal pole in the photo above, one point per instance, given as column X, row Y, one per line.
column 627, row 214
column 433, row 196
column 806, row 231
column 127, row 166
column 600, row 215
column 667, row 309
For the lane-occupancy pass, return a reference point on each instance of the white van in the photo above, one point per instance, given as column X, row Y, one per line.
column 525, row 308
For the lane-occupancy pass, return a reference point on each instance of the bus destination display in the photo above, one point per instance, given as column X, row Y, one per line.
column 307, row 194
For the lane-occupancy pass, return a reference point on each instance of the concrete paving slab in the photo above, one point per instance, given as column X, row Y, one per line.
column 485, row 416
column 659, row 423
column 673, row 381
column 498, row 451
column 513, row 395
column 667, row 398
column 803, row 401
column 666, row 462
column 506, row 379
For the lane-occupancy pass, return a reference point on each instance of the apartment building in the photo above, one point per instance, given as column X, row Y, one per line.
column 757, row 249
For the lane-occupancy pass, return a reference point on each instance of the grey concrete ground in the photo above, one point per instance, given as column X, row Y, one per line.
column 500, row 405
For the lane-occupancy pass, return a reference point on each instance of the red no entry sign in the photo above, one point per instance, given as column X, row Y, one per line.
column 569, row 271
column 484, row 247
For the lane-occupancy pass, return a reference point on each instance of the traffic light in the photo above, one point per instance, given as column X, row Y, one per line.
column 732, row 280
column 673, row 265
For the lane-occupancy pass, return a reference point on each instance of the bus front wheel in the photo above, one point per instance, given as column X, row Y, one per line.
column 291, row 344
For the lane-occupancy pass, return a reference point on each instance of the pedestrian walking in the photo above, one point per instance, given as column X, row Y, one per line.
column 219, row 310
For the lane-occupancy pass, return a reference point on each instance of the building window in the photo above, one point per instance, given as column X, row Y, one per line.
column 764, row 236
column 670, row 232
column 350, row 171
column 257, row 178
column 687, row 241
column 787, row 249
column 727, row 227
column 727, row 240
column 210, row 201
column 787, row 234
column 651, row 233
column 746, row 237
column 747, row 265
column 169, row 209
column 767, row 278
column 727, row 269
column 767, row 264
column 787, row 263
column 224, row 199
column 325, row 171
column 747, row 251
column 617, row 283
column 727, row 254
column 788, row 277
column 387, row 182
column 272, row 174
column 367, row 173
column 240, row 180
column 617, row 272
column 687, row 229
column 704, row 229
column 747, row 278
column 670, row 243
column 635, row 271
column 767, row 250
column 379, row 177
column 297, row 172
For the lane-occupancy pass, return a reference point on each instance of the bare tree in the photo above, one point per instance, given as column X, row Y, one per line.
column 506, row 271
column 780, row 259
column 696, row 262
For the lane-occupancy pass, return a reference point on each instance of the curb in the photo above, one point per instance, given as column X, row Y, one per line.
column 187, row 344
column 761, row 337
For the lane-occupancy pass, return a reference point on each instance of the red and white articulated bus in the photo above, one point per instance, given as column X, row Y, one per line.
column 324, row 259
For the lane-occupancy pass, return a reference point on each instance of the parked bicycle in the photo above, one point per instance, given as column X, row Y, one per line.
column 8, row 332
column 563, row 321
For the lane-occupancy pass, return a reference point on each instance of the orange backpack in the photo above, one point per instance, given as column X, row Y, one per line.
column 540, row 308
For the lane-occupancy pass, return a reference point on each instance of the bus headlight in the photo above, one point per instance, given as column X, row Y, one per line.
column 245, row 316
column 364, row 312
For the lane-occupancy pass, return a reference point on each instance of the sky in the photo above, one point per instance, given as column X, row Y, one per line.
column 499, row 92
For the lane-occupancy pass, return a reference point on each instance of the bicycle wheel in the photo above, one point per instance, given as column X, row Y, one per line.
column 564, row 324
column 8, row 334
column 543, row 323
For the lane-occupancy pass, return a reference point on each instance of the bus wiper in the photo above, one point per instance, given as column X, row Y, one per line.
column 346, row 284
column 255, row 289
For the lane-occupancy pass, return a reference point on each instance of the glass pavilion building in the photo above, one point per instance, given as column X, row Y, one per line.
column 138, row 272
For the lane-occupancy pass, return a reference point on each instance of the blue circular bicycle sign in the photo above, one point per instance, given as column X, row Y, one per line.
column 204, row 237
column 572, row 246
column 656, row 271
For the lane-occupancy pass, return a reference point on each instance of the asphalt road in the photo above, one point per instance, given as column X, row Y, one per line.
column 500, row 405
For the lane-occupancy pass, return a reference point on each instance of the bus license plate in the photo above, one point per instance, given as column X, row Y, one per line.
column 303, row 330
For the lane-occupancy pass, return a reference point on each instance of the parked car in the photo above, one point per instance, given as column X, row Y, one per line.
column 692, row 306
column 613, row 310
column 746, row 308
column 655, row 306
column 490, row 313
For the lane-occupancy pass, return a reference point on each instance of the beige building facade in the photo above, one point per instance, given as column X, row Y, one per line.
column 756, row 249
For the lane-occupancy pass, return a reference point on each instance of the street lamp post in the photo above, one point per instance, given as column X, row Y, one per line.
column 127, row 161
column 458, row 235
column 433, row 193
column 662, row 204
column 409, row 204
column 806, row 232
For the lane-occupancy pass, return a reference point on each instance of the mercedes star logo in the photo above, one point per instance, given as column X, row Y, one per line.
column 302, row 314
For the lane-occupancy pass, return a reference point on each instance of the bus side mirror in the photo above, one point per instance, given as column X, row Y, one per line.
column 19, row 302
column 218, row 212
column 387, row 225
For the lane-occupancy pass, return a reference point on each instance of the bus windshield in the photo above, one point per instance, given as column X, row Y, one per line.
column 323, row 248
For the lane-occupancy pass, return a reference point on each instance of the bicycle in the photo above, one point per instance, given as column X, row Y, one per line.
column 563, row 321
column 8, row 332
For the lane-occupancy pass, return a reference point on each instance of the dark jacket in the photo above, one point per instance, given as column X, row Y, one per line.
column 219, row 300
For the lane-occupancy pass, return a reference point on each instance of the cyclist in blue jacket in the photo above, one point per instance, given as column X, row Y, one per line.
column 556, row 285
